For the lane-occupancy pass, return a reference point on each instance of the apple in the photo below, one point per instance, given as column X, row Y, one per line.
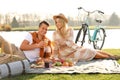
column 65, row 63
column 62, row 60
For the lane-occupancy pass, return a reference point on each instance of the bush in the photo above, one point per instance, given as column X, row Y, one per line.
column 5, row 27
column 1, row 27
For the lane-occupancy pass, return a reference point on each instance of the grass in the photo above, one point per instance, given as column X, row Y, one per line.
column 70, row 76
column 34, row 28
column 93, row 27
column 66, row 77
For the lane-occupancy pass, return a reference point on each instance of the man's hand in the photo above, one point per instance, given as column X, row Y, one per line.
column 41, row 44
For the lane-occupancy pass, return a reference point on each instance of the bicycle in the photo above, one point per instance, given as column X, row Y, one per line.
column 99, row 34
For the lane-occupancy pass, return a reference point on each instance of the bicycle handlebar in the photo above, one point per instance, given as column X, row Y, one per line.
column 100, row 12
column 92, row 11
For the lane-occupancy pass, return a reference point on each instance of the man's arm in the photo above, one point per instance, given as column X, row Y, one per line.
column 26, row 46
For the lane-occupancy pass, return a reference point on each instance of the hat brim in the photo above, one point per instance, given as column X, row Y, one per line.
column 58, row 16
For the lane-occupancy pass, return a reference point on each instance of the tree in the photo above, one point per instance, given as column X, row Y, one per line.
column 113, row 20
column 70, row 21
column 14, row 22
column 7, row 19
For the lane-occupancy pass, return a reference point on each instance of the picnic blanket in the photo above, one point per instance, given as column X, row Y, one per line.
column 94, row 66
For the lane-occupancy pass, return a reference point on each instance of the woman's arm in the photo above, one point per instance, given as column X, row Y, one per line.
column 69, row 39
column 70, row 35
column 62, row 41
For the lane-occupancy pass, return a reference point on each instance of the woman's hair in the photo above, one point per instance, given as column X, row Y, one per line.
column 43, row 22
column 63, row 31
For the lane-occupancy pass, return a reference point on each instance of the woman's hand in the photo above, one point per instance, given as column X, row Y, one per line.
column 61, row 42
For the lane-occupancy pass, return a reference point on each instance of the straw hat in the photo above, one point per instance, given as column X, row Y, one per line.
column 60, row 16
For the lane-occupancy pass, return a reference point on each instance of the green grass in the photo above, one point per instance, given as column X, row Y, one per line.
column 113, row 51
column 92, row 27
column 70, row 76
column 66, row 77
column 34, row 28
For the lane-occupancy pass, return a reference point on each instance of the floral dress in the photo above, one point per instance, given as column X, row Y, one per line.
column 68, row 49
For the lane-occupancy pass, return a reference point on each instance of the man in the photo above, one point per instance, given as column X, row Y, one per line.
column 36, row 45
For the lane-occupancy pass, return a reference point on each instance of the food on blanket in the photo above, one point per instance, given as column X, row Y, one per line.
column 32, row 65
column 39, row 62
column 71, row 64
column 57, row 64
column 62, row 60
column 36, row 66
column 65, row 63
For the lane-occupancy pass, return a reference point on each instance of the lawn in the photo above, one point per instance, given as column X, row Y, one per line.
column 66, row 77
column 70, row 76
column 34, row 28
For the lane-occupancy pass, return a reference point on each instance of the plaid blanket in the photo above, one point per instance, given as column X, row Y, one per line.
column 94, row 66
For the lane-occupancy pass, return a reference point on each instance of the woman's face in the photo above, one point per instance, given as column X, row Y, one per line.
column 43, row 29
column 58, row 23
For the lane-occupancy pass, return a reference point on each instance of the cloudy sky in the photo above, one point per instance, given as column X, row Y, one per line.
column 52, row 7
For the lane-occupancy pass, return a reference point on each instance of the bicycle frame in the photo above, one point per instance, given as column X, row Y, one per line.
column 93, row 37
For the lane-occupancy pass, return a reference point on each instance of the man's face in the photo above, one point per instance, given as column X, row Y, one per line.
column 43, row 29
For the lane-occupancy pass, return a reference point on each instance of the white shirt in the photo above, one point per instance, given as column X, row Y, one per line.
column 32, row 55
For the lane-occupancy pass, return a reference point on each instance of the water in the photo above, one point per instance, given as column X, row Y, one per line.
column 112, row 39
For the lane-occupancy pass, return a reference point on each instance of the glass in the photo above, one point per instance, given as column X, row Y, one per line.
column 0, row 50
column 46, row 42
column 1, row 53
column 47, row 65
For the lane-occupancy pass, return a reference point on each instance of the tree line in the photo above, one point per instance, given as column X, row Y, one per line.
column 34, row 19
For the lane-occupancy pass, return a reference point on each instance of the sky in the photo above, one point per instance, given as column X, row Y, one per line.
column 54, row 7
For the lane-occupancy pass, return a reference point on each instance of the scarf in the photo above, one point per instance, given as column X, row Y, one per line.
column 36, row 40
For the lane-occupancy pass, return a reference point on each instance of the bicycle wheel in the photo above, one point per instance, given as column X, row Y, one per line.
column 100, row 39
column 81, row 36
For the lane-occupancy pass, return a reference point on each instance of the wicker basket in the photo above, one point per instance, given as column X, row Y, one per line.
column 9, row 52
column 9, row 58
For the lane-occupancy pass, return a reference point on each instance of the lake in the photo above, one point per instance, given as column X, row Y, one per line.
column 112, row 40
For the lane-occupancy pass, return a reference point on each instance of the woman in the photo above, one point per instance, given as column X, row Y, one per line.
column 65, row 48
